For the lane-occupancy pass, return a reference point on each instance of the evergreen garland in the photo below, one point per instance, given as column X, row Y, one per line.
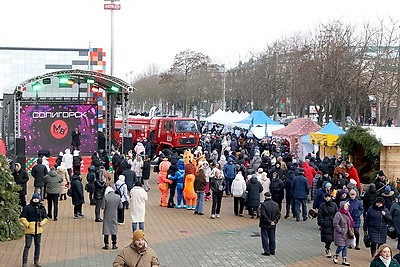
column 10, row 226
column 357, row 137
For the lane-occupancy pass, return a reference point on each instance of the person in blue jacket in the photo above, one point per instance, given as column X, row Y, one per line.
column 229, row 174
column 319, row 196
column 356, row 210
column 301, row 189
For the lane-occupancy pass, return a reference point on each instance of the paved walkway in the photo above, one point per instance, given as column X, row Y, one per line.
column 179, row 238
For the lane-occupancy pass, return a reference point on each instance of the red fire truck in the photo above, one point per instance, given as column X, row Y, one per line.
column 175, row 133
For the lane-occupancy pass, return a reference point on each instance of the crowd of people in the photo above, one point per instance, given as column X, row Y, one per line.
column 258, row 175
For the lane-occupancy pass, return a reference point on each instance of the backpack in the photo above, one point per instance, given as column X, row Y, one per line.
column 118, row 190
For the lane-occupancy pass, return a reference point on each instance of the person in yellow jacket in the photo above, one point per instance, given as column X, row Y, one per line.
column 33, row 217
column 137, row 253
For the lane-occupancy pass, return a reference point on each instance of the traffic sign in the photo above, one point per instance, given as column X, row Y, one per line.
column 112, row 6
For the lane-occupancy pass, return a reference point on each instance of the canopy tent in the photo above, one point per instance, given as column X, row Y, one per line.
column 295, row 130
column 260, row 123
column 257, row 117
column 327, row 136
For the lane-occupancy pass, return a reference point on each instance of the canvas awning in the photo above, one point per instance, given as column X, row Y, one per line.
column 327, row 136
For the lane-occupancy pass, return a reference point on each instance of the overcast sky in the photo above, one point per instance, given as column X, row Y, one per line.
column 154, row 31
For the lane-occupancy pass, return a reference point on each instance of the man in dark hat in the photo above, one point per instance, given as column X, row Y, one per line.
column 270, row 215
column 33, row 217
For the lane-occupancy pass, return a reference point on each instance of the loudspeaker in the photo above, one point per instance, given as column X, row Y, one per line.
column 21, row 160
column 42, row 153
column 20, row 146
column 127, row 144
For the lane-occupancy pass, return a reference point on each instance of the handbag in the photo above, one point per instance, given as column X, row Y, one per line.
column 69, row 192
column 391, row 231
column 367, row 241
column 350, row 232
column 244, row 195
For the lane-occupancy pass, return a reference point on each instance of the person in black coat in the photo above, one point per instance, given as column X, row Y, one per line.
column 91, row 176
column 326, row 166
column 147, row 147
column 130, row 177
column 77, row 196
column 276, row 188
column 326, row 213
column 369, row 197
column 99, row 190
column 375, row 223
column 289, row 193
column 270, row 215
column 76, row 162
column 254, row 188
column 146, row 172
column 21, row 178
column 104, row 160
column 76, row 141
column 38, row 172
column 116, row 160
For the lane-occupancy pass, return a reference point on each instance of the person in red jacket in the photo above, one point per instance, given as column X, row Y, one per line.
column 309, row 172
column 353, row 174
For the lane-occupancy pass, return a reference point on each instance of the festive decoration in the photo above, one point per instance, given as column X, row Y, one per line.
column 10, row 226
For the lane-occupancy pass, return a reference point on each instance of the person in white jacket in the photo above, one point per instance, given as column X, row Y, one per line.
column 237, row 190
column 67, row 159
column 265, row 182
column 138, row 206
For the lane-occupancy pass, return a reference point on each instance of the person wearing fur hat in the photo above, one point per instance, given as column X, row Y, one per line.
column 375, row 223
column 138, row 253
column 33, row 217
column 356, row 210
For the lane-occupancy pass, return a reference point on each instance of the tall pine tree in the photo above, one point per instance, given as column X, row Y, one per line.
column 10, row 226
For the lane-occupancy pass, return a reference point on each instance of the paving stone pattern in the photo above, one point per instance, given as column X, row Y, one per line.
column 179, row 238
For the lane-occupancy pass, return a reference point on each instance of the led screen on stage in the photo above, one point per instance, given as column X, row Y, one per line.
column 49, row 127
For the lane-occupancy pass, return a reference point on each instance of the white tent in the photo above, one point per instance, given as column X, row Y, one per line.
column 226, row 117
